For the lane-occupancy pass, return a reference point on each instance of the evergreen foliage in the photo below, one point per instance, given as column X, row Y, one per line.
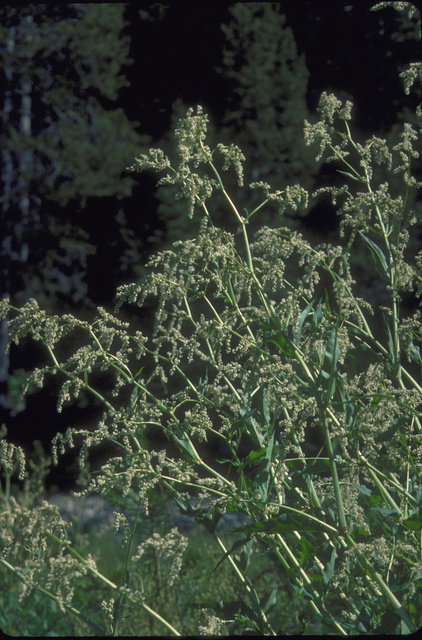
column 62, row 141
column 267, row 102
column 265, row 81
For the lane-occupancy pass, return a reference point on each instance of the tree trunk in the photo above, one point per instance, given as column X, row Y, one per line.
column 14, row 247
column 6, row 242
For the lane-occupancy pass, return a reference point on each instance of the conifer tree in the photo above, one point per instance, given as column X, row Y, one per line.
column 62, row 141
column 267, row 105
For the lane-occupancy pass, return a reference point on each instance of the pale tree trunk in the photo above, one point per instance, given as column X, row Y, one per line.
column 7, row 164
column 25, row 166
column 16, row 210
column 25, row 169
column 6, row 240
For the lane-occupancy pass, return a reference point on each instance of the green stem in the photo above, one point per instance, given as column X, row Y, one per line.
column 305, row 579
column 125, row 576
column 249, row 588
column 99, row 630
column 242, row 223
column 74, row 378
column 384, row 588
column 391, row 480
column 334, row 476
column 111, row 584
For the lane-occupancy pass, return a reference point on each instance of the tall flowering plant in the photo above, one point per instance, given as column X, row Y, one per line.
column 262, row 341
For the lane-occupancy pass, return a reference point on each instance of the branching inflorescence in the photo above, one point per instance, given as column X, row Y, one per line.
column 264, row 340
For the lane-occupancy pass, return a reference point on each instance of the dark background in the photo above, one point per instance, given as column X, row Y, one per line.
column 176, row 51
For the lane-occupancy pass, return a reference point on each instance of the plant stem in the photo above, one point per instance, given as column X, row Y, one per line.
column 111, row 584
column 334, row 476
column 384, row 588
column 97, row 628
column 305, row 579
column 249, row 588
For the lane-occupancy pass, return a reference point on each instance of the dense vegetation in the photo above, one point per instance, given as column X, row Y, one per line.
column 273, row 398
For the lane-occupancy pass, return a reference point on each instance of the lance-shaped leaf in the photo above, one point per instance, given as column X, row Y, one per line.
column 376, row 252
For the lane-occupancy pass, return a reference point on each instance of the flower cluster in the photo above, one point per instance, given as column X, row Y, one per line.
column 263, row 346
column 168, row 551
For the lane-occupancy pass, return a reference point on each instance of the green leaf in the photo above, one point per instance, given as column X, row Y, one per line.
column 319, row 308
column 351, row 176
column 365, row 490
column 263, row 474
column 246, row 555
column 332, row 352
column 138, row 373
column 305, row 594
column 254, row 432
column 283, row 344
column 265, row 409
column 247, row 423
column 185, row 445
column 244, row 614
column 230, row 293
column 376, row 251
column 302, row 319
column 255, row 456
column 187, row 509
column 413, row 523
column 201, row 514
column 386, row 435
column 236, row 545
column 281, row 524
column 415, row 354
column 134, row 396
column 391, row 349
column 320, row 465
column 271, row 601
column 328, row 373
column 329, row 568
column 306, row 551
